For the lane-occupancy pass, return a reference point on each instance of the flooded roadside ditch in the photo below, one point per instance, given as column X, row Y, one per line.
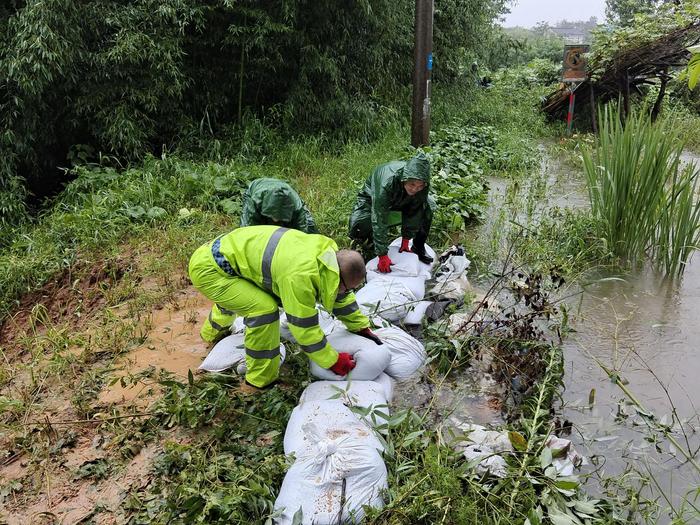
column 645, row 331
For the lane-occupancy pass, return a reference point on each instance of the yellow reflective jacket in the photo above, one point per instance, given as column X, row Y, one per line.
column 300, row 270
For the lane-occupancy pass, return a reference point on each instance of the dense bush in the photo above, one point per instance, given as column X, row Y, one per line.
column 126, row 77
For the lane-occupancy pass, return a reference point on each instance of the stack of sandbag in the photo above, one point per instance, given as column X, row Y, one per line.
column 336, row 473
column 400, row 356
column 338, row 466
column 394, row 295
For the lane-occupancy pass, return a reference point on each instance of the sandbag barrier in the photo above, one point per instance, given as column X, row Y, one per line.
column 333, row 432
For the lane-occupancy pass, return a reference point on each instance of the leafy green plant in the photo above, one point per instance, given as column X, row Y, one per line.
column 693, row 70
column 193, row 404
column 640, row 193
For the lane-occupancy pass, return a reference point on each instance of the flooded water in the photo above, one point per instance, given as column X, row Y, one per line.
column 647, row 331
column 173, row 345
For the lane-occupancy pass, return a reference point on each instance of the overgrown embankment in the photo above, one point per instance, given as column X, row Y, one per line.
column 96, row 393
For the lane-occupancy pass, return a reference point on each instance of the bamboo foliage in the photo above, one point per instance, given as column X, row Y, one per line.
column 641, row 193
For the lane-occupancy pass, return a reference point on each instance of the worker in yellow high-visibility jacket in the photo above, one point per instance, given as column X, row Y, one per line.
column 254, row 270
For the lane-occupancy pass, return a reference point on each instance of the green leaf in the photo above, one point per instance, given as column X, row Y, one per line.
column 586, row 507
column 410, row 438
column 298, row 517
column 136, row 212
column 559, row 518
column 693, row 71
column 230, row 206
column 397, row 419
column 546, row 457
column 568, row 483
column 517, row 440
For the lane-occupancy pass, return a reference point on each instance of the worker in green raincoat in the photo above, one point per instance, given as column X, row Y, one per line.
column 252, row 271
column 395, row 193
column 272, row 201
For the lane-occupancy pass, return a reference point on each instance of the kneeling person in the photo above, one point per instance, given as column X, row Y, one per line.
column 252, row 271
column 395, row 193
column 272, row 201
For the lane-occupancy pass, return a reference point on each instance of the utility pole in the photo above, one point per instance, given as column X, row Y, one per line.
column 423, row 59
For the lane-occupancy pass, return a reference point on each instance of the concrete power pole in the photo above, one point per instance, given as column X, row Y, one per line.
column 423, row 59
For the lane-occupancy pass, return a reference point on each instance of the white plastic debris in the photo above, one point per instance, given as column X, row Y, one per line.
column 484, row 447
column 230, row 353
column 463, row 321
column 488, row 460
column 565, row 458
column 451, row 278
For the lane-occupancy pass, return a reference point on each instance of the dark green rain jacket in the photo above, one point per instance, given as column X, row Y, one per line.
column 272, row 201
column 384, row 193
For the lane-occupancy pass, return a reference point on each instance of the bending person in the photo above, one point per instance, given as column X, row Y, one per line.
column 251, row 271
column 272, row 201
column 395, row 193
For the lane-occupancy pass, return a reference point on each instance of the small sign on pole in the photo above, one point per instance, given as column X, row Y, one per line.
column 574, row 69
column 573, row 72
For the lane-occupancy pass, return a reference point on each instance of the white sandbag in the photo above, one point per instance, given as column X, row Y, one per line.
column 451, row 278
column 333, row 419
column 415, row 284
column 325, row 320
column 404, row 264
column 387, row 384
column 230, row 353
column 368, row 395
column 363, row 394
column 370, row 358
column 407, row 354
column 331, row 480
column 417, row 313
column 386, row 297
column 238, row 326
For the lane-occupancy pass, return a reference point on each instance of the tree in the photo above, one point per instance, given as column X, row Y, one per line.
column 622, row 11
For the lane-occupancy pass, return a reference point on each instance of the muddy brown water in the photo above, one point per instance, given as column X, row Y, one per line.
column 647, row 330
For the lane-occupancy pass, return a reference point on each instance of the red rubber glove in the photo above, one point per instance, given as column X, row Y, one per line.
column 369, row 334
column 385, row 263
column 343, row 365
column 404, row 245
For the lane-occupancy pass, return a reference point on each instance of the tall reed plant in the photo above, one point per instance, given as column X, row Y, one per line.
column 642, row 194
